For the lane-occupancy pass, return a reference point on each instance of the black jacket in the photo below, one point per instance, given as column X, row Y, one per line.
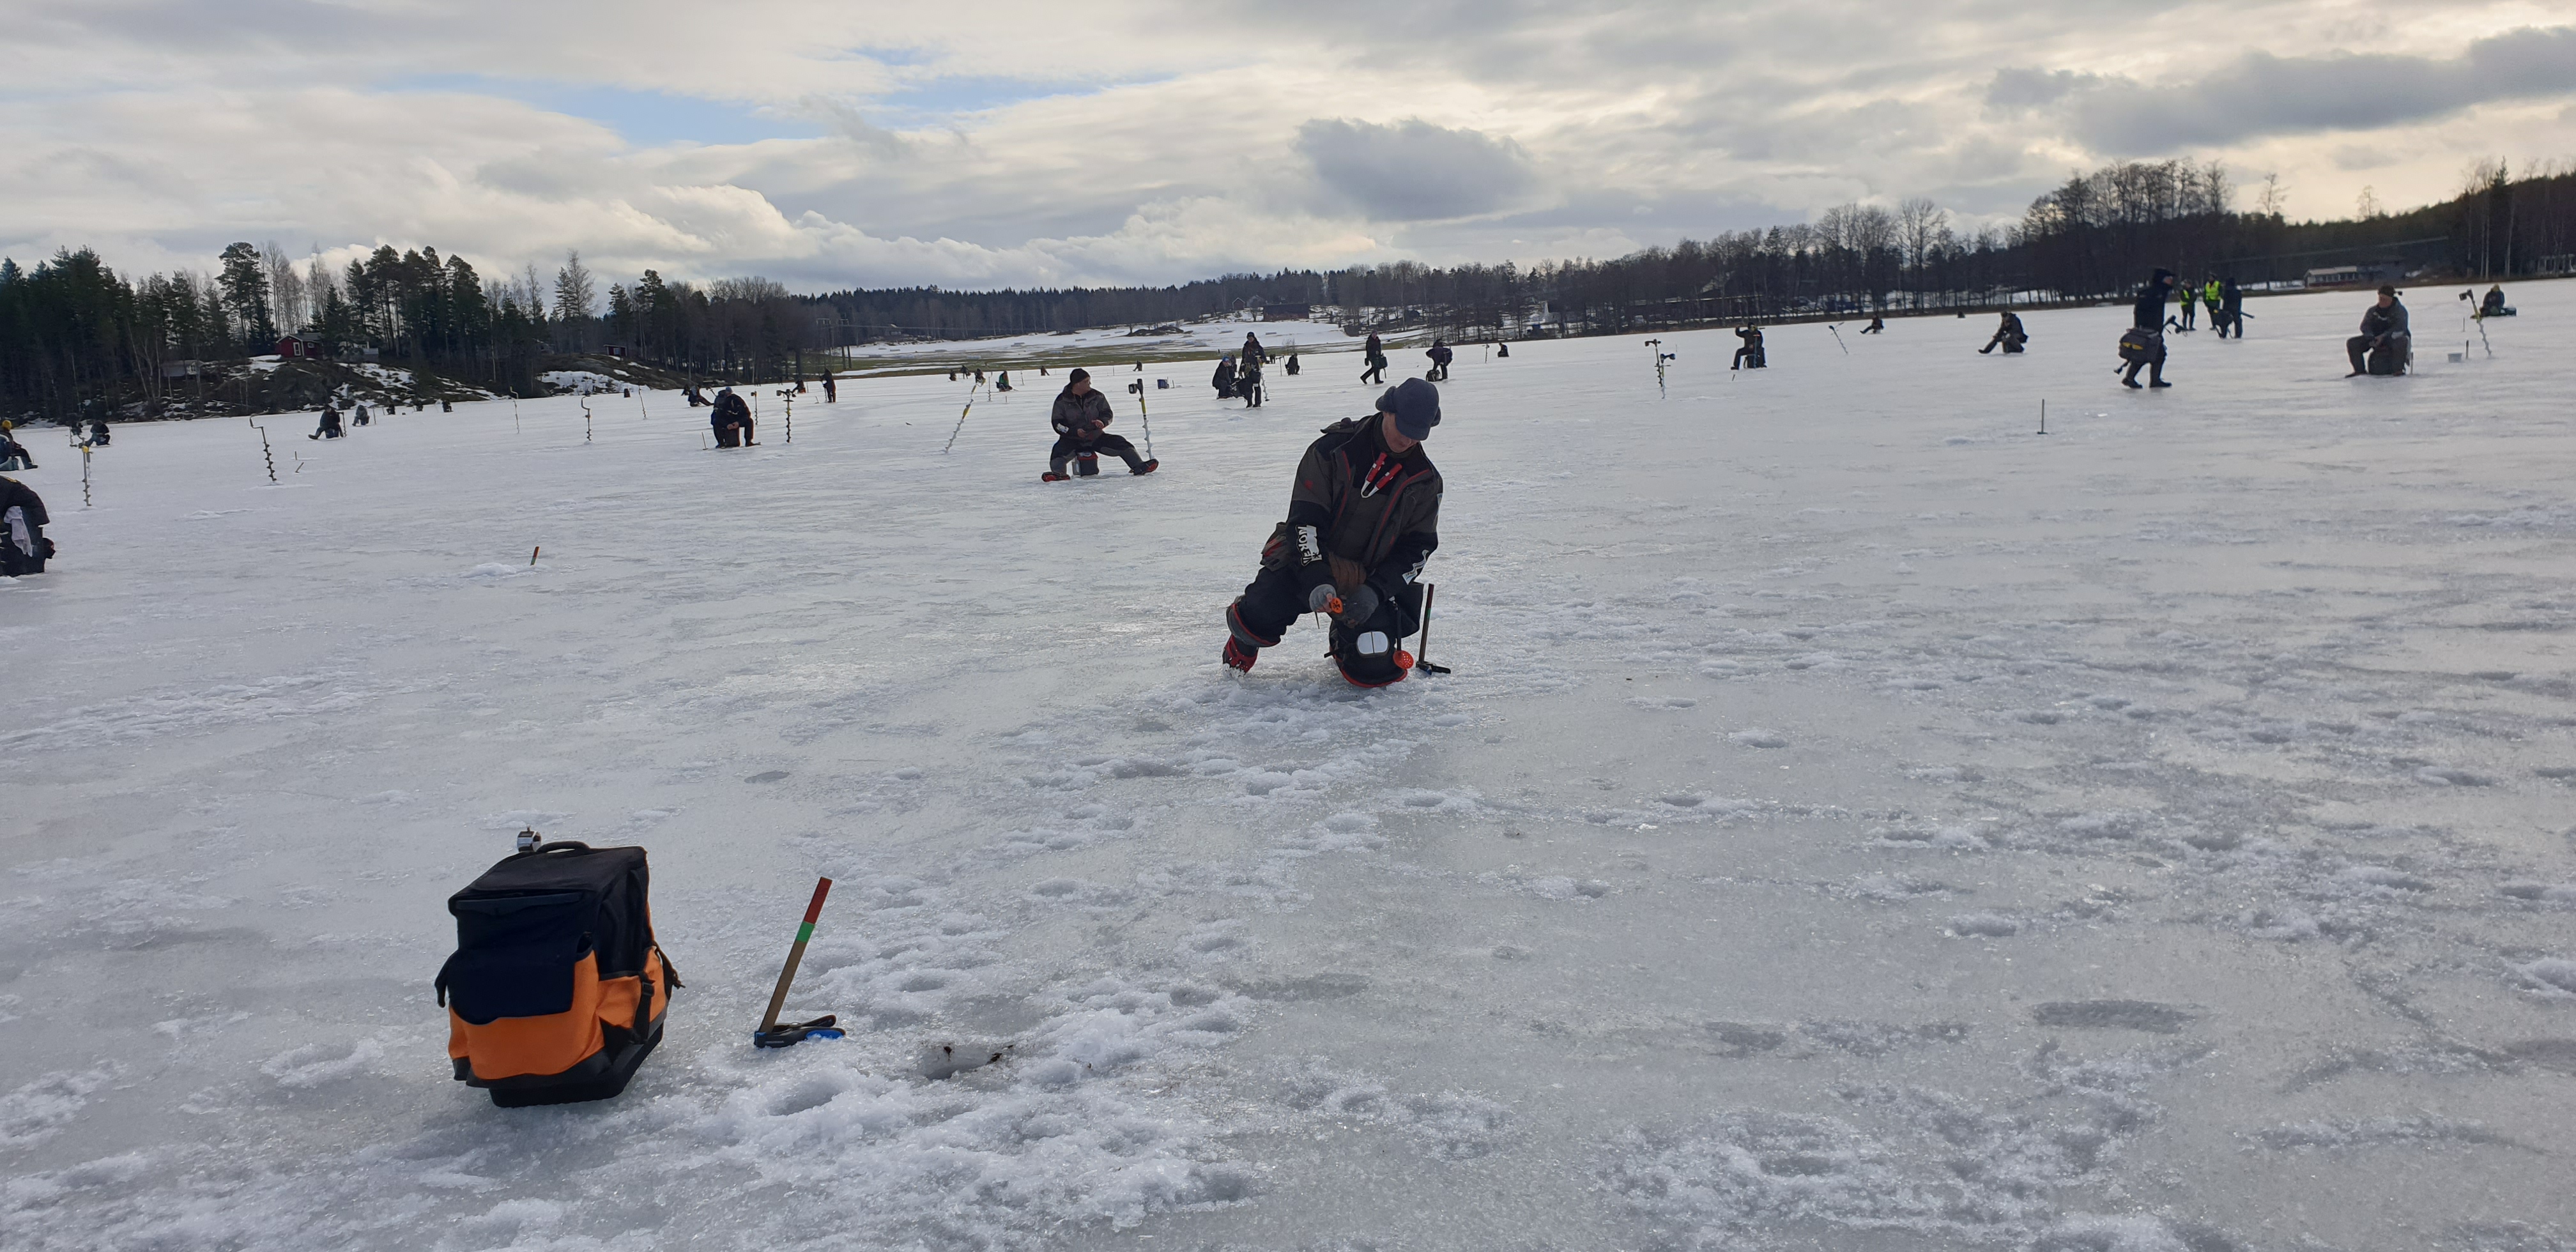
column 15, row 494
column 1364, row 505
column 729, row 409
column 1223, row 380
column 2378, row 323
column 1083, row 417
column 2149, row 312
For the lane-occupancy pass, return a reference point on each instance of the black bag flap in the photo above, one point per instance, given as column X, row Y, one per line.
column 530, row 980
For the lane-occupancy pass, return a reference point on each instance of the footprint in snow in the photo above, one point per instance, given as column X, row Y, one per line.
column 1760, row 738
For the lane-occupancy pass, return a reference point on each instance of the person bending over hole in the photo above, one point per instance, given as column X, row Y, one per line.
column 1362, row 519
column 1081, row 419
column 731, row 417
column 330, row 425
column 2384, row 343
column 23, row 546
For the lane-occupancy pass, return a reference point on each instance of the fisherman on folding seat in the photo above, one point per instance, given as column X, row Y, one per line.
column 1081, row 418
column 1362, row 519
column 1749, row 356
column 2384, row 345
column 13, row 454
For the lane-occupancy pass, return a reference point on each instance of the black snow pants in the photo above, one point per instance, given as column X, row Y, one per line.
column 1085, row 454
column 1365, row 650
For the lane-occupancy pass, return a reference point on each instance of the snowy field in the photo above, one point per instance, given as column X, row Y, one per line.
column 1855, row 822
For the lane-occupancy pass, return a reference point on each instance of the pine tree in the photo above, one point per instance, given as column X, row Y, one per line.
column 575, row 296
column 245, row 286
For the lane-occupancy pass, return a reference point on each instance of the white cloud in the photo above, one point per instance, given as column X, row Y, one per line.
column 987, row 142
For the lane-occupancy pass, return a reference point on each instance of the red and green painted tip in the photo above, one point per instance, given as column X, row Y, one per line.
column 795, row 957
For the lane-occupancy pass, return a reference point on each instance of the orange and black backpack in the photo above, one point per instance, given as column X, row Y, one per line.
column 557, row 989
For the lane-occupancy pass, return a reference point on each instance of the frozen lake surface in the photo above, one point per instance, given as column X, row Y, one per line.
column 1855, row 822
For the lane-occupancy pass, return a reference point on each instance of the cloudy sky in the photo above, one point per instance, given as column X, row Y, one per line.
column 831, row 143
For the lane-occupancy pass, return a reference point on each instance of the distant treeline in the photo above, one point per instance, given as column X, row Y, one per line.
column 76, row 338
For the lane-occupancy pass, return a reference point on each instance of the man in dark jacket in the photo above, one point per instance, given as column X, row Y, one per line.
column 2231, row 309
column 13, row 454
column 731, row 418
column 1081, row 419
column 2384, row 342
column 1254, row 355
column 1247, row 382
column 1440, row 355
column 2147, row 332
column 1750, row 356
column 1373, row 357
column 2009, row 335
column 1223, row 379
column 1364, row 516
column 23, row 546
column 329, row 426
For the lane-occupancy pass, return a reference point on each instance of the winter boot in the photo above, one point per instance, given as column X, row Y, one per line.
column 1052, row 477
column 1238, row 656
column 1147, row 468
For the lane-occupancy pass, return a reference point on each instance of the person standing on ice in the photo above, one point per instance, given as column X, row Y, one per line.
column 2147, row 330
column 1254, row 355
column 2231, row 309
column 1373, row 358
column 832, row 394
column 2384, row 342
column 1081, row 419
column 1362, row 519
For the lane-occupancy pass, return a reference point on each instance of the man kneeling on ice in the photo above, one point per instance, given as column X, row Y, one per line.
column 1081, row 420
column 1364, row 516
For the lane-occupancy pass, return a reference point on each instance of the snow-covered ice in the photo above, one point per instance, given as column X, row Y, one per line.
column 1856, row 821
